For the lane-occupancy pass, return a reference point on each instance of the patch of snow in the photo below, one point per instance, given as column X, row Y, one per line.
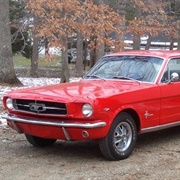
column 3, row 123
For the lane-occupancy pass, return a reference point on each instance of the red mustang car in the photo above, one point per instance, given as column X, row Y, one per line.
column 123, row 95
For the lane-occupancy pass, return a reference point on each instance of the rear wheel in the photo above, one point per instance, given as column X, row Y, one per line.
column 39, row 142
column 121, row 138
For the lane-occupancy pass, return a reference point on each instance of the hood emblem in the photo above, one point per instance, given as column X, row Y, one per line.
column 37, row 107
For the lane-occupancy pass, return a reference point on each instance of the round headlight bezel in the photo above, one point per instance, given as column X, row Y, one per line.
column 9, row 103
column 87, row 110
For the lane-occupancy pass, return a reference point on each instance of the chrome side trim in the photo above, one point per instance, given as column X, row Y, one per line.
column 160, row 127
column 59, row 124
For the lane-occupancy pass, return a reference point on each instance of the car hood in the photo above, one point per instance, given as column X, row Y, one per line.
column 79, row 91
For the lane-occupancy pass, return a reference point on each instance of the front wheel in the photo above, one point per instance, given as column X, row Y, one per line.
column 39, row 142
column 121, row 138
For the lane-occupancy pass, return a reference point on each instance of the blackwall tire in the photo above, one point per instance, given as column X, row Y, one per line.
column 39, row 142
column 121, row 138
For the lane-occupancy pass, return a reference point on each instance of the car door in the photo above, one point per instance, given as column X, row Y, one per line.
column 170, row 91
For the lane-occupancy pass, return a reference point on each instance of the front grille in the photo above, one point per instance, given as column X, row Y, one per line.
column 40, row 107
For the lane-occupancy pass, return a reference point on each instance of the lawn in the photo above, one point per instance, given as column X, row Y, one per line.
column 20, row 61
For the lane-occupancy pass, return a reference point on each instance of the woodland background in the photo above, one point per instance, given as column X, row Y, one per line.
column 90, row 27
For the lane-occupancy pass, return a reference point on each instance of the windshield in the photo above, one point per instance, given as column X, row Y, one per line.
column 141, row 68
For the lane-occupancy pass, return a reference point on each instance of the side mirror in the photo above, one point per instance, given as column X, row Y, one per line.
column 174, row 77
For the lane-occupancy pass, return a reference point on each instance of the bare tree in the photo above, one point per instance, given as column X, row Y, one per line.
column 177, row 13
column 7, row 72
column 100, row 50
column 94, row 22
column 121, row 10
column 79, row 60
column 137, row 38
column 35, row 51
column 64, row 71
column 149, row 40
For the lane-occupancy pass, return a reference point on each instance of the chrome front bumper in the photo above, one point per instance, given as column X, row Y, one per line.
column 59, row 124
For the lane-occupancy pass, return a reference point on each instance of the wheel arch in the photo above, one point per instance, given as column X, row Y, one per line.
column 134, row 115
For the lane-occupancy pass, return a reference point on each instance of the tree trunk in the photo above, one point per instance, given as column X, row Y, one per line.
column 85, row 54
column 121, row 10
column 65, row 71
column 92, row 57
column 93, row 53
column 148, row 45
column 35, row 52
column 46, row 46
column 177, row 13
column 96, row 53
column 136, row 42
column 171, row 46
column 100, row 49
column 137, row 37
column 178, row 34
column 7, row 72
column 79, row 60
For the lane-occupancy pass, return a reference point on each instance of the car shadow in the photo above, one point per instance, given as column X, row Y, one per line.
column 89, row 150
column 158, row 137
column 86, row 149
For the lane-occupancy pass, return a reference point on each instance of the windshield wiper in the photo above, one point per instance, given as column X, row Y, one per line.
column 124, row 77
column 94, row 76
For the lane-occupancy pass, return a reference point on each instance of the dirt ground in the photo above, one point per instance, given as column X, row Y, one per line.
column 156, row 157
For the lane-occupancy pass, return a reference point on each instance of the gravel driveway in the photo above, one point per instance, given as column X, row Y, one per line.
column 156, row 157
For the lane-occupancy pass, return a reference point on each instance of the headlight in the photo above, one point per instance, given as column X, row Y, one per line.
column 87, row 110
column 9, row 103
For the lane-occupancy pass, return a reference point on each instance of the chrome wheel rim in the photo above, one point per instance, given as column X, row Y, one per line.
column 122, row 136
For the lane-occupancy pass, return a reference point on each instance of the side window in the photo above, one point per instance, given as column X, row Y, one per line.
column 172, row 67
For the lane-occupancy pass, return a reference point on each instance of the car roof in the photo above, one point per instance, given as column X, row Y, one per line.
column 156, row 53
